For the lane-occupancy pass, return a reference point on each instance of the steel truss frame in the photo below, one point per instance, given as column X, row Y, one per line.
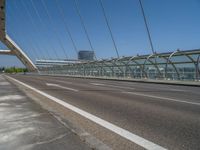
column 177, row 65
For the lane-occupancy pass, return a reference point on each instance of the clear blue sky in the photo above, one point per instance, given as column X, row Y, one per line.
column 173, row 24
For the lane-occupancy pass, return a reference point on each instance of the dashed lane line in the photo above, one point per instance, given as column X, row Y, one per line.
column 115, row 86
column 62, row 87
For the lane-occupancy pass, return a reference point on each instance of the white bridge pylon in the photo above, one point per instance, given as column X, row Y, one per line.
column 14, row 49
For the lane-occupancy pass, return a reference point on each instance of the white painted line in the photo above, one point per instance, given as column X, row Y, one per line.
column 121, row 87
column 62, row 87
column 164, row 98
column 120, row 131
column 11, row 97
column 97, row 84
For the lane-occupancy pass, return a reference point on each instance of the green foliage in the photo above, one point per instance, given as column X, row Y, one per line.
column 15, row 70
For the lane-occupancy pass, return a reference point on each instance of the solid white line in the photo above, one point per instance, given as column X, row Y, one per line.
column 120, row 131
column 62, row 87
column 97, row 84
column 122, row 87
column 165, row 98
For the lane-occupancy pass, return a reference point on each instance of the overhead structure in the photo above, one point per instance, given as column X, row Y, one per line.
column 6, row 52
column 14, row 49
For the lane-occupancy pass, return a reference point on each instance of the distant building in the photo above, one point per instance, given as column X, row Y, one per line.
column 86, row 55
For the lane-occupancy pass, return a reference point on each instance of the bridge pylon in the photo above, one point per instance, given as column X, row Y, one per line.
column 14, row 49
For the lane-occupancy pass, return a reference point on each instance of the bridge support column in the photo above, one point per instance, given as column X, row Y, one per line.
column 14, row 49
column 17, row 51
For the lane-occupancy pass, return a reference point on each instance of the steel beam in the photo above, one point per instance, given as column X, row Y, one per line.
column 14, row 49
column 6, row 52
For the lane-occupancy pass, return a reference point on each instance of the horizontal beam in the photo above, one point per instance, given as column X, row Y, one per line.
column 6, row 52
column 14, row 49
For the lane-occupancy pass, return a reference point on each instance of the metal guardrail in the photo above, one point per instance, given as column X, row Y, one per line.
column 177, row 65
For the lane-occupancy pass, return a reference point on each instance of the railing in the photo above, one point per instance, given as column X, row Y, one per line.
column 178, row 65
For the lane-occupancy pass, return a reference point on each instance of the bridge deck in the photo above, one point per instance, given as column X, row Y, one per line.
column 26, row 125
column 166, row 115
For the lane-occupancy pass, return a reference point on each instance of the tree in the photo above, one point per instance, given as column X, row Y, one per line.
column 15, row 70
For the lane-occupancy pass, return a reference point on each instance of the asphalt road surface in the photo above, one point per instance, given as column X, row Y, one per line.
column 166, row 115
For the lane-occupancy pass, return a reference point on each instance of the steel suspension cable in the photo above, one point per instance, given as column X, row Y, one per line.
column 66, row 26
column 41, row 22
column 109, row 27
column 44, row 27
column 31, row 40
column 33, row 54
column 34, row 27
column 148, row 31
column 83, row 25
column 51, row 22
column 56, row 31
column 147, row 27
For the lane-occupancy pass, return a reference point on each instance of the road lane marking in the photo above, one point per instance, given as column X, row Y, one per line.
column 164, row 98
column 62, row 87
column 97, row 84
column 122, row 87
column 63, row 81
column 118, row 130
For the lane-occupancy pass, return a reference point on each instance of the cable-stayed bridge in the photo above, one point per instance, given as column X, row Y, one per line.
column 174, row 65
column 109, row 97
